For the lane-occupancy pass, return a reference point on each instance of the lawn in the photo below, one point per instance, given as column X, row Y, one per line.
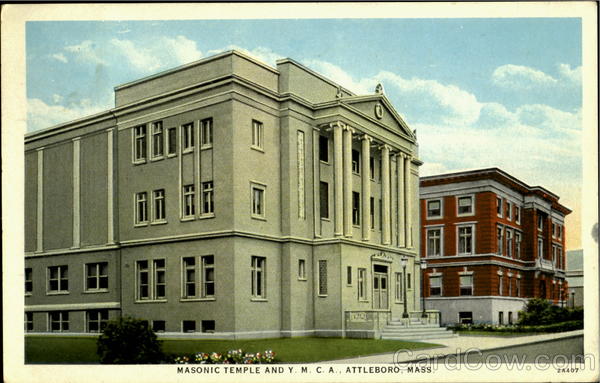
column 508, row 334
column 81, row 350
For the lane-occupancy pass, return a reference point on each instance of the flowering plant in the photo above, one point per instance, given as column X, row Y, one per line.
column 230, row 357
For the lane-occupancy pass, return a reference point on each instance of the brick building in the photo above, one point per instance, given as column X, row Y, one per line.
column 490, row 242
column 226, row 198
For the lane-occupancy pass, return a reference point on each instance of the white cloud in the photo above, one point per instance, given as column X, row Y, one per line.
column 40, row 115
column 87, row 51
column 60, row 57
column 520, row 77
column 57, row 98
column 182, row 49
column 140, row 58
column 572, row 75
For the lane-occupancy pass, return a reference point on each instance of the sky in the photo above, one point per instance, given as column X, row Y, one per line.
column 480, row 92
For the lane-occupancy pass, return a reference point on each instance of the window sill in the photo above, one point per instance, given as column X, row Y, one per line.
column 322, row 295
column 162, row 222
column 57, row 293
column 303, row 279
column 324, row 162
column 141, row 224
column 139, row 162
column 325, row 219
column 435, row 217
column 258, row 217
column 154, row 159
column 259, row 300
column 257, row 148
column 207, row 146
column 186, row 219
column 28, row 294
column 363, row 300
column 355, row 173
column 207, row 299
column 172, row 155
column 150, row 301
column 99, row 291
column 188, row 150
column 466, row 215
column 206, row 216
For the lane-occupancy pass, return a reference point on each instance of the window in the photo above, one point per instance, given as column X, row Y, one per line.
column 398, row 290
column 188, row 137
column 141, row 208
column 58, row 279
column 554, row 258
column 435, row 285
column 257, row 134
column 301, row 269
column 372, row 168
column 324, row 149
column 518, row 287
column 59, row 321
column 362, row 284
column 518, row 214
column 96, row 320
column 434, row 242
column 380, row 214
column 28, row 321
column 509, row 243
column 208, row 276
column 500, row 317
column 206, row 133
column 322, row 277
column 553, row 230
column 258, row 201
column 559, row 231
column 189, row 201
column 355, row 208
column 158, row 143
column 158, row 326
column 372, row 212
column 208, row 326
column 434, row 208
column 349, row 275
column 355, row 161
column 500, row 285
column 465, row 205
column 159, row 214
column 540, row 252
column 171, row 141
column 465, row 239
column 510, row 317
column 189, row 277
column 143, row 280
column 540, row 222
column 160, row 283
column 408, row 281
column 140, row 146
column 324, row 199
column 208, row 205
column 155, row 278
column 509, row 286
column 500, row 240
column 518, row 245
column 189, row 326
column 258, row 269
column 499, row 206
column 508, row 210
column 465, row 317
column 466, row 284
column 28, row 281
column 96, row 276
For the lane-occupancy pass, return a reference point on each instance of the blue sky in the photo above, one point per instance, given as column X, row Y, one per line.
column 480, row 92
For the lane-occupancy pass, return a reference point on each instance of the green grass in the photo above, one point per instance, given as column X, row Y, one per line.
column 80, row 350
column 496, row 333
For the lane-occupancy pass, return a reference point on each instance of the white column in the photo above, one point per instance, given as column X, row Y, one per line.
column 401, row 200
column 316, row 183
column 385, row 193
column 40, row 201
column 109, row 186
column 76, row 192
column 366, row 187
column 348, row 181
column 338, row 179
column 409, row 196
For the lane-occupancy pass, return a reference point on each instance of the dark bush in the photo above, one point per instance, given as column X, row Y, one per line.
column 129, row 341
column 541, row 312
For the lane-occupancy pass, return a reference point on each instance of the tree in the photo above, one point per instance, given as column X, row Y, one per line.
column 129, row 341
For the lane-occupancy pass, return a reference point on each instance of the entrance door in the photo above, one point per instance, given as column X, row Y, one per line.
column 380, row 287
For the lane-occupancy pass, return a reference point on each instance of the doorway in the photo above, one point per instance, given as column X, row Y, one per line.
column 380, row 287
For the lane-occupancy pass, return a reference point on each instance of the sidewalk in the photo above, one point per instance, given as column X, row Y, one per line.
column 456, row 345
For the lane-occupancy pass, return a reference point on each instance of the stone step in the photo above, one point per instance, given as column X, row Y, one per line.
column 387, row 330
column 402, row 324
column 418, row 337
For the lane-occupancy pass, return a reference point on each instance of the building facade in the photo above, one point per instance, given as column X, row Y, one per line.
column 575, row 277
column 225, row 198
column 490, row 242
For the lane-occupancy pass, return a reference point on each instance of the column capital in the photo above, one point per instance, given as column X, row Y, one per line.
column 337, row 124
column 349, row 129
column 385, row 147
column 366, row 137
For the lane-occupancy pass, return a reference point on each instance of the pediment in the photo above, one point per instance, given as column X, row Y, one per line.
column 377, row 107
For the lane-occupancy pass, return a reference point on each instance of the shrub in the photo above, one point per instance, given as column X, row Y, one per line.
column 541, row 312
column 230, row 357
column 129, row 341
